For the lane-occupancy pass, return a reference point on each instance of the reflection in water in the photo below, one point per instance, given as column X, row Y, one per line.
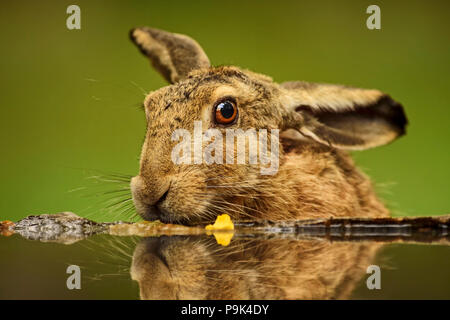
column 187, row 267
column 308, row 260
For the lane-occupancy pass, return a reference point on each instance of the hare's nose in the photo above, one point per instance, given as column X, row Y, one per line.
column 149, row 194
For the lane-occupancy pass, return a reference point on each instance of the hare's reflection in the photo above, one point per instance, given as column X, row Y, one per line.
column 198, row 268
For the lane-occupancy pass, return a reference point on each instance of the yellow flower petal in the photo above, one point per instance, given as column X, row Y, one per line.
column 223, row 227
column 223, row 222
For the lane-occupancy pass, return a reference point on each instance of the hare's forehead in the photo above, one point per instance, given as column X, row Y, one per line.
column 181, row 95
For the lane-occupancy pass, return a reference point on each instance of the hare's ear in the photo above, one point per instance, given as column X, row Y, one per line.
column 342, row 117
column 173, row 55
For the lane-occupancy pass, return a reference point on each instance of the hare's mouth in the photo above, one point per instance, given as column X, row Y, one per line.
column 152, row 213
column 165, row 216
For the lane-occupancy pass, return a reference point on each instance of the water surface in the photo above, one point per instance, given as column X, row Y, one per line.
column 197, row 267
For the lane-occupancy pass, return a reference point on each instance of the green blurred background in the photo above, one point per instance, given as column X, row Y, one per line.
column 70, row 98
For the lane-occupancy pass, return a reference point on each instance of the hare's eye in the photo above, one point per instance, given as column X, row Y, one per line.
column 225, row 112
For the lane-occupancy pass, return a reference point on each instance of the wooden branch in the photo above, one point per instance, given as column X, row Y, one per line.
column 67, row 227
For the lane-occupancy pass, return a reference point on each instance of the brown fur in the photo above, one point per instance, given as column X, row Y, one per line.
column 198, row 268
column 315, row 178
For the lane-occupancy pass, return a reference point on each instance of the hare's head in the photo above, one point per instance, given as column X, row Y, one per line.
column 184, row 176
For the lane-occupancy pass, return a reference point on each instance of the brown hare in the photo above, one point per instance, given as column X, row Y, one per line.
column 317, row 123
